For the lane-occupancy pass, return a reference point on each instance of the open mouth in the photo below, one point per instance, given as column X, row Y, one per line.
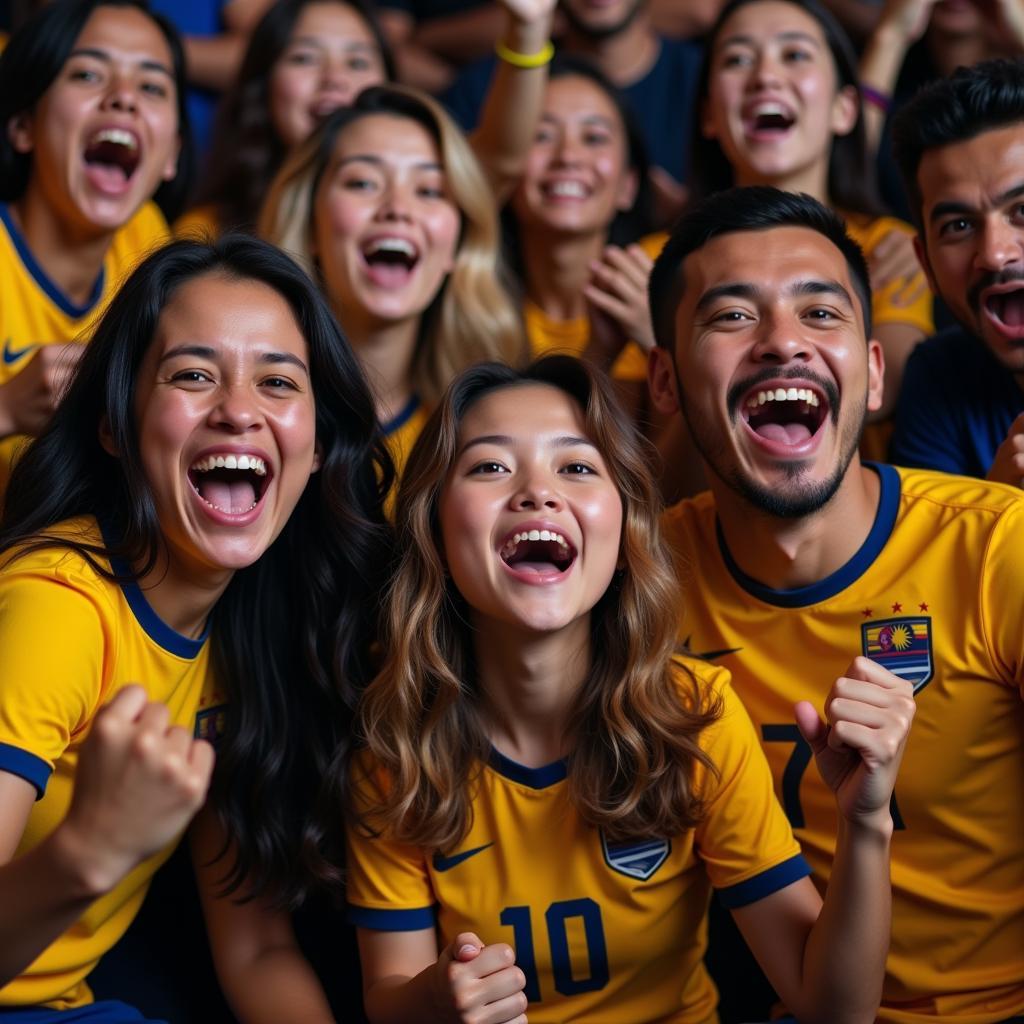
column 788, row 416
column 770, row 118
column 542, row 552
column 113, row 153
column 1006, row 308
column 233, row 484
column 566, row 189
column 390, row 260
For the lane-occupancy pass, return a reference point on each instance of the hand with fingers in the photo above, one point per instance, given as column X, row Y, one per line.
column 29, row 398
column 529, row 12
column 893, row 260
column 907, row 18
column 478, row 984
column 1008, row 466
column 138, row 784
column 617, row 295
column 859, row 746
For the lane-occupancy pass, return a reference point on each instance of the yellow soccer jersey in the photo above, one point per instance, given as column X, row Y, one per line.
column 401, row 432
column 548, row 336
column 934, row 594
column 34, row 312
column 606, row 933
column 108, row 636
column 201, row 224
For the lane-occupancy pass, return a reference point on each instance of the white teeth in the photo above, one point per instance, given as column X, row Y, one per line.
column 230, row 511
column 508, row 549
column 784, row 395
column 401, row 245
column 769, row 108
column 116, row 135
column 534, row 535
column 252, row 463
column 574, row 189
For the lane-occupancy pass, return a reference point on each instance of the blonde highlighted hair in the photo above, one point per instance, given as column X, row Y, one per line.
column 633, row 730
column 472, row 318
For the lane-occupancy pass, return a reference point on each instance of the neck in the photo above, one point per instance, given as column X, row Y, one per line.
column 785, row 554
column 71, row 255
column 183, row 599
column 385, row 350
column 557, row 269
column 812, row 179
column 529, row 682
column 625, row 57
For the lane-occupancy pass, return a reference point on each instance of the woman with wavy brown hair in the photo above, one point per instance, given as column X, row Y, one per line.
column 387, row 205
column 546, row 792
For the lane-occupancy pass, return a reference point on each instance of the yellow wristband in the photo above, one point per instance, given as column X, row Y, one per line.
column 525, row 60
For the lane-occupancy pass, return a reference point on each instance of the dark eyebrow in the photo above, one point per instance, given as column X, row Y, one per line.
column 731, row 290
column 951, row 206
column 373, row 158
column 504, row 441
column 787, row 36
column 210, row 354
column 815, row 287
column 351, row 44
column 148, row 65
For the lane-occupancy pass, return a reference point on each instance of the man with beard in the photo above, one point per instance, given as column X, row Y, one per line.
column 802, row 558
column 960, row 146
column 657, row 78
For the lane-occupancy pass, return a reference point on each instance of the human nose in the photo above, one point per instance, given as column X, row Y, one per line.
column 236, row 410
column 396, row 201
column 534, row 491
column 766, row 70
column 1000, row 244
column 780, row 340
column 121, row 93
column 568, row 151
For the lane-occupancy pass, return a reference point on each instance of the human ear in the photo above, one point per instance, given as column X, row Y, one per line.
column 845, row 110
column 661, row 381
column 19, row 131
column 876, row 375
column 107, row 438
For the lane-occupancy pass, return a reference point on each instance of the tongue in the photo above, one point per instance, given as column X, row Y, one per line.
column 237, row 496
column 1011, row 309
column 539, row 568
column 388, row 275
column 107, row 177
column 785, row 433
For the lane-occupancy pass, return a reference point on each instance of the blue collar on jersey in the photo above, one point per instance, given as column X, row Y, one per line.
column 56, row 296
column 402, row 417
column 845, row 575
column 155, row 628
column 535, row 778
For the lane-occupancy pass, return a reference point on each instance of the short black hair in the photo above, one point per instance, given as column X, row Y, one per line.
column 756, row 208
column 971, row 101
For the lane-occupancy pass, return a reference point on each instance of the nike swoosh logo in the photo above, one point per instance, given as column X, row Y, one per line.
column 684, row 648
column 447, row 863
column 12, row 355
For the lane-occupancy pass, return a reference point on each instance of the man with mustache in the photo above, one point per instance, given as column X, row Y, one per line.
column 803, row 564
column 960, row 147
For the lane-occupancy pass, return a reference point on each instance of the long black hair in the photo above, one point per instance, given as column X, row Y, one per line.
column 851, row 173
column 246, row 152
column 31, row 62
column 292, row 633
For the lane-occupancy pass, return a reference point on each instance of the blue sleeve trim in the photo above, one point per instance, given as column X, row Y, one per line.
column 392, row 920
column 764, row 884
column 26, row 766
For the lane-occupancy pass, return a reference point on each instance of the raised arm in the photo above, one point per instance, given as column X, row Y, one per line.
column 827, row 962
column 508, row 120
column 137, row 785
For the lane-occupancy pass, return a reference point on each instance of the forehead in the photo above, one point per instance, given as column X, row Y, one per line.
column 125, row 31
column 214, row 309
column 757, row 22
column 337, row 20
column 576, row 97
column 974, row 171
column 389, row 138
column 524, row 410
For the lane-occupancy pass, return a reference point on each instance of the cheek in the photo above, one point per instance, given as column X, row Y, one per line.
column 444, row 232
column 290, row 92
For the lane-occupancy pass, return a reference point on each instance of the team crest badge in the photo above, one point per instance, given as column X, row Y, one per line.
column 637, row 858
column 211, row 723
column 902, row 645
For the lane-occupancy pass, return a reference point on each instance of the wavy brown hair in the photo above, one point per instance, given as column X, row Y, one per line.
column 472, row 317
column 637, row 717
